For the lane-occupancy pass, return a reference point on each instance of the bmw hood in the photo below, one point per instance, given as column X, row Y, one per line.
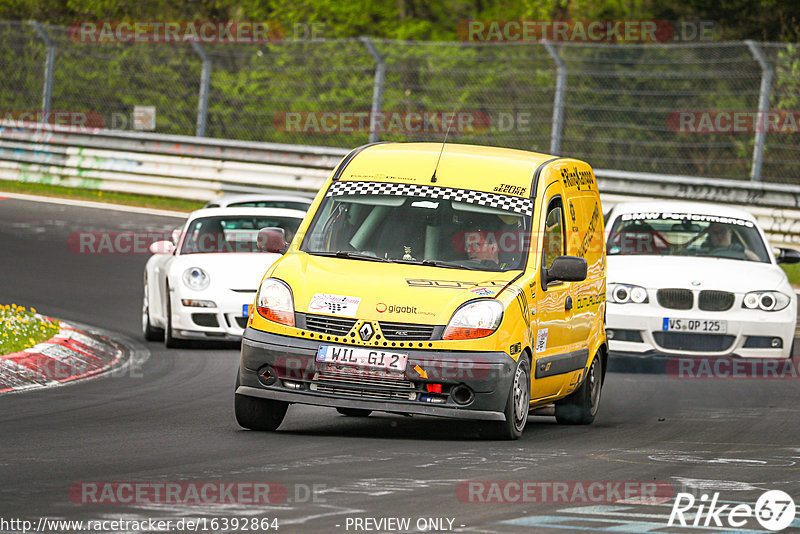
column 655, row 272
column 389, row 292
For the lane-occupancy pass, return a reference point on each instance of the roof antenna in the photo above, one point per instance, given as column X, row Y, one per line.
column 433, row 178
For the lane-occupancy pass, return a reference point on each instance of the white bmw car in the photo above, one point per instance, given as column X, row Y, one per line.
column 695, row 279
column 200, row 285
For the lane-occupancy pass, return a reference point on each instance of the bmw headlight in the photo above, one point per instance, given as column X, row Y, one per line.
column 275, row 303
column 765, row 300
column 196, row 278
column 628, row 293
column 475, row 319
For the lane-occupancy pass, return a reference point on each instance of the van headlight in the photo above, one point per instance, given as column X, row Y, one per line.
column 196, row 278
column 627, row 293
column 765, row 300
column 475, row 319
column 274, row 302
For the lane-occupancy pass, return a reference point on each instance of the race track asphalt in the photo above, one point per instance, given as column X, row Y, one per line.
column 170, row 419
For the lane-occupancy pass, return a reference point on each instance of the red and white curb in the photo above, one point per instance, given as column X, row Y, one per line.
column 70, row 355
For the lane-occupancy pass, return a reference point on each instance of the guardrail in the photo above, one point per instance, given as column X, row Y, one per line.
column 201, row 168
column 187, row 167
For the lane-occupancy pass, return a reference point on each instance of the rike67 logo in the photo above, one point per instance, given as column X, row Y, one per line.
column 774, row 511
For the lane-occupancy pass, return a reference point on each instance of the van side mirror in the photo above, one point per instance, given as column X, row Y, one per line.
column 787, row 255
column 272, row 240
column 565, row 269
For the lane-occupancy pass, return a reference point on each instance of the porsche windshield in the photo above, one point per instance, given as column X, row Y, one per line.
column 237, row 233
column 420, row 230
column 662, row 234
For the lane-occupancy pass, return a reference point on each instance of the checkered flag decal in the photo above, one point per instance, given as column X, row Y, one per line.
column 519, row 205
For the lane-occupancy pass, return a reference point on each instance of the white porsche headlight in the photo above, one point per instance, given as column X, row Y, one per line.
column 196, row 278
column 626, row 293
column 274, row 302
column 474, row 319
column 766, row 300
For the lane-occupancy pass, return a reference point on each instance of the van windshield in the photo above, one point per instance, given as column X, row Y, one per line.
column 472, row 233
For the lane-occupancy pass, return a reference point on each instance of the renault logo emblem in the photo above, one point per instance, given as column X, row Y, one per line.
column 366, row 331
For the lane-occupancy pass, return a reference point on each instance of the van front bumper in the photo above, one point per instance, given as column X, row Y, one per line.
column 293, row 375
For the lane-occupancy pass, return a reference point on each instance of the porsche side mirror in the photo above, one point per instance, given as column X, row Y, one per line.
column 272, row 240
column 162, row 247
column 787, row 255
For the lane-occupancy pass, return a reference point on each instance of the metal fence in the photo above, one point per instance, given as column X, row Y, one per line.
column 615, row 106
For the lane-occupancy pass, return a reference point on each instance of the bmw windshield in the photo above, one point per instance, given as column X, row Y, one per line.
column 685, row 234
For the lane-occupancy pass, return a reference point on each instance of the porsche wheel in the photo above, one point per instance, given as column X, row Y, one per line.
column 169, row 341
column 150, row 332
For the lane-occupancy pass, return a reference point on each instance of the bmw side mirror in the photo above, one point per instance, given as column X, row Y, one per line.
column 272, row 240
column 787, row 255
column 565, row 269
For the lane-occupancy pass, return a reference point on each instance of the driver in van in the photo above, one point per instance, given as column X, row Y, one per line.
column 481, row 247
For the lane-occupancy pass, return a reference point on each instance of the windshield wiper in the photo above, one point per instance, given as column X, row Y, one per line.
column 350, row 255
column 435, row 263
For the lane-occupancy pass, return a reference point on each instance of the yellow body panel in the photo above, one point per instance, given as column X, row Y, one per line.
column 430, row 295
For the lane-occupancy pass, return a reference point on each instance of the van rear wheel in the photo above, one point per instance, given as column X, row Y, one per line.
column 581, row 406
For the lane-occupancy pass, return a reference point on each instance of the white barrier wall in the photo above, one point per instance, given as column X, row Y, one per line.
column 200, row 168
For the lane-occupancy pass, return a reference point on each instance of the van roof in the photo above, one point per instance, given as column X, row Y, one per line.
column 479, row 168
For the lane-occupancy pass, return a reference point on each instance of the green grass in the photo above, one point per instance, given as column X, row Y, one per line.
column 128, row 199
column 793, row 272
column 21, row 328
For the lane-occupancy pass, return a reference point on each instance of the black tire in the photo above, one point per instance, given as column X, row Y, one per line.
column 150, row 332
column 354, row 412
column 255, row 413
column 518, row 403
column 169, row 341
column 580, row 407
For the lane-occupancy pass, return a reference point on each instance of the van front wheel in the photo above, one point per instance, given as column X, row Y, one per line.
column 518, row 403
column 258, row 414
column 580, row 407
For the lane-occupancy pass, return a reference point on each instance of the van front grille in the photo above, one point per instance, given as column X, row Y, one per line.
column 335, row 326
column 409, row 332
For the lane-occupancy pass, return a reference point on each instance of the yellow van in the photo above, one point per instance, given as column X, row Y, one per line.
column 446, row 280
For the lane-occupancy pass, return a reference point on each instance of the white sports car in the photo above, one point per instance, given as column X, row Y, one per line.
column 200, row 285
column 695, row 279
